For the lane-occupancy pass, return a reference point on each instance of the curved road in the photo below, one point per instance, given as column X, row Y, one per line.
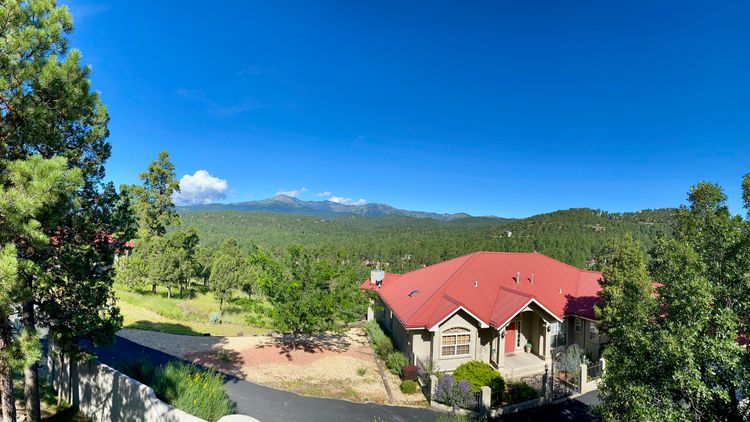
column 271, row 405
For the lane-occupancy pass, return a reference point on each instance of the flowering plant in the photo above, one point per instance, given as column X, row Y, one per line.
column 454, row 394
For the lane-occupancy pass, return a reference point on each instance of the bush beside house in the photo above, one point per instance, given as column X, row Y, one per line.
column 479, row 374
column 381, row 343
column 408, row 387
column 395, row 361
column 518, row 392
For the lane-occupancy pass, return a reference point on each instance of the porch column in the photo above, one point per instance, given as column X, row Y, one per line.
column 547, row 343
column 501, row 348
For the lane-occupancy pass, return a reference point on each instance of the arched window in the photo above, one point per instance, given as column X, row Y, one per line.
column 455, row 342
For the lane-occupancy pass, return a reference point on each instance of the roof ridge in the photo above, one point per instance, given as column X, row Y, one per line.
column 515, row 292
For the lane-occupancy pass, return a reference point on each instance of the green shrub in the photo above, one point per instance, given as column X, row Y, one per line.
column 214, row 318
column 197, row 391
column 520, row 392
column 394, row 362
column 480, row 374
column 361, row 371
column 139, row 369
column 408, row 387
column 382, row 344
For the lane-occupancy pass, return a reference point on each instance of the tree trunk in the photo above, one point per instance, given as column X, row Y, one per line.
column 169, row 292
column 6, row 377
column 8, row 398
column 31, row 373
column 61, row 371
column 153, row 288
column 221, row 307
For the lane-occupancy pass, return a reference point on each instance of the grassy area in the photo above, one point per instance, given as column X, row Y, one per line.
column 189, row 315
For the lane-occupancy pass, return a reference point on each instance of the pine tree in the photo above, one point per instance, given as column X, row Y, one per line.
column 47, row 107
column 27, row 189
column 227, row 271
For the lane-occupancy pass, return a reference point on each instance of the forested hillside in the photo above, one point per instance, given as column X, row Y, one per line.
column 574, row 236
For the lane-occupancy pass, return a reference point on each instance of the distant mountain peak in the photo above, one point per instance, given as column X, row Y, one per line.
column 281, row 197
column 285, row 204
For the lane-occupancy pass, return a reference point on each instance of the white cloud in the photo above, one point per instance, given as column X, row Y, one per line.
column 200, row 188
column 292, row 193
column 324, row 194
column 346, row 201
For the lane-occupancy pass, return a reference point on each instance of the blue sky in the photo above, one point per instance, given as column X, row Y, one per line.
column 504, row 107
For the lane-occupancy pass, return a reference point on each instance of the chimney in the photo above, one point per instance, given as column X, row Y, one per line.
column 376, row 276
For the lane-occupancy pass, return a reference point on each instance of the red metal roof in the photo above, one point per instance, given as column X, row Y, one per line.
column 484, row 284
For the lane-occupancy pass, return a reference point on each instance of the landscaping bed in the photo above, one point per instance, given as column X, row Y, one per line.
column 190, row 388
column 398, row 375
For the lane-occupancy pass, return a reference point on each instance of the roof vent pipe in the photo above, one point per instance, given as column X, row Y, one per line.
column 518, row 277
column 476, row 283
column 531, row 279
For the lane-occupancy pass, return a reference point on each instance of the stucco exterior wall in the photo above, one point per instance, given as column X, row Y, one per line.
column 462, row 320
column 484, row 343
column 421, row 345
column 589, row 345
column 401, row 337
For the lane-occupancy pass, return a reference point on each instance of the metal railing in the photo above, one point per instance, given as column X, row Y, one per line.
column 594, row 370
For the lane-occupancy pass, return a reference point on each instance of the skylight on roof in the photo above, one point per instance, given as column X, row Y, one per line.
column 413, row 293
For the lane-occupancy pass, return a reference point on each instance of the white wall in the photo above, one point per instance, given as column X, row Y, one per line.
column 104, row 394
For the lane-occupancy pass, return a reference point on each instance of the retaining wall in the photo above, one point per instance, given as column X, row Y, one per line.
column 101, row 393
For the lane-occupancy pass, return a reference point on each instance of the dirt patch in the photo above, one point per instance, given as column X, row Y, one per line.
column 324, row 365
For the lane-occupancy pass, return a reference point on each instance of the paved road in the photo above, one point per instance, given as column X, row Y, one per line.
column 271, row 405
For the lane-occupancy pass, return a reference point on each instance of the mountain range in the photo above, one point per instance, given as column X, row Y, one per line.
column 325, row 209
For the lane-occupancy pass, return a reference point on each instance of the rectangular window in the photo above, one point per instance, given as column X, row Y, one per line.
column 593, row 332
column 518, row 334
column 558, row 333
column 455, row 342
column 579, row 325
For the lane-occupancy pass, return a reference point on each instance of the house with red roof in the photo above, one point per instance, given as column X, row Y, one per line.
column 509, row 309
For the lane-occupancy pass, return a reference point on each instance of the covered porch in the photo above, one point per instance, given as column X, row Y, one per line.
column 522, row 346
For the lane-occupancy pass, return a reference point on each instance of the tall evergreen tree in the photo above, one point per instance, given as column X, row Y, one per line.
column 27, row 189
column 153, row 204
column 47, row 108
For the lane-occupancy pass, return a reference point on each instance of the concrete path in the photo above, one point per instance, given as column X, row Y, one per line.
column 271, row 405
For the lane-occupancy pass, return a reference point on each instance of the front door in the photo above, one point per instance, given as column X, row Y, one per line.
column 510, row 337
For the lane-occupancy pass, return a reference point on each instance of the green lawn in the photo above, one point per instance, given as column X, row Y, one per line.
column 189, row 315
